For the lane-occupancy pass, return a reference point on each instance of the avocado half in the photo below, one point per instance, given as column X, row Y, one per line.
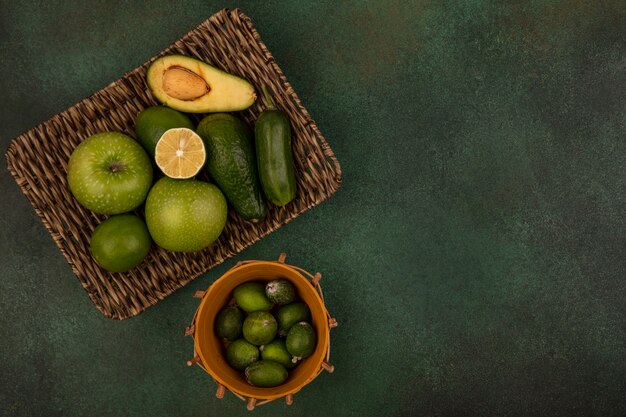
column 191, row 86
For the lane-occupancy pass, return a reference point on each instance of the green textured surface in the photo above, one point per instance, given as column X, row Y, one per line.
column 474, row 256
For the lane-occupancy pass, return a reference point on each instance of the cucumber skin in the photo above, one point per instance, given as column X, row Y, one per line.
column 272, row 134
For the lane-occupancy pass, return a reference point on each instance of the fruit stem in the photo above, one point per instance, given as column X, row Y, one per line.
column 116, row 166
column 268, row 97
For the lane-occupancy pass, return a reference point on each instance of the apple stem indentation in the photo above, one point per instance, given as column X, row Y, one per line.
column 116, row 166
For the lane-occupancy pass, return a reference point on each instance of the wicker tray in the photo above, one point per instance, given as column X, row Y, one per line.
column 38, row 159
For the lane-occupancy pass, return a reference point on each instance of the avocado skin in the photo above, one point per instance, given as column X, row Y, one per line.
column 274, row 156
column 231, row 162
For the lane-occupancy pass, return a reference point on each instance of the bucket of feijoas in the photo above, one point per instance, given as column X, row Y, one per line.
column 262, row 331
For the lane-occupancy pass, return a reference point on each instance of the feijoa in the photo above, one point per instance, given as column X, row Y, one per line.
column 280, row 291
column 251, row 297
column 241, row 354
column 229, row 323
column 301, row 340
column 277, row 351
column 266, row 374
column 259, row 328
column 291, row 314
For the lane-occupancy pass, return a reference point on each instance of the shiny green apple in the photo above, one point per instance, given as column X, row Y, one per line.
column 109, row 173
column 185, row 215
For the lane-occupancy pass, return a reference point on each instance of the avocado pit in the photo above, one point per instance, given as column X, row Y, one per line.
column 184, row 84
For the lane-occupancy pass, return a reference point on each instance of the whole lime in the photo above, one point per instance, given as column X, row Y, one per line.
column 259, row 328
column 153, row 121
column 185, row 215
column 120, row 243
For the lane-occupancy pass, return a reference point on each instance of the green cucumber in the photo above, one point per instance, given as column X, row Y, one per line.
column 272, row 133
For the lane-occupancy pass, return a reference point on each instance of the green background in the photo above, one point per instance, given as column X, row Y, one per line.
column 474, row 255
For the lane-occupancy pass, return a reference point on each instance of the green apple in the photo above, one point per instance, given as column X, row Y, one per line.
column 109, row 173
column 185, row 215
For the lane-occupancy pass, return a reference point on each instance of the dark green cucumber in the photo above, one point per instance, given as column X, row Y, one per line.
column 231, row 162
column 272, row 134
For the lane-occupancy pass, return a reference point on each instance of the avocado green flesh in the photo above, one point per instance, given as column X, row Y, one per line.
column 274, row 157
column 231, row 162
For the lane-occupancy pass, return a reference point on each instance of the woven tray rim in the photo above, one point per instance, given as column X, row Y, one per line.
column 13, row 150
